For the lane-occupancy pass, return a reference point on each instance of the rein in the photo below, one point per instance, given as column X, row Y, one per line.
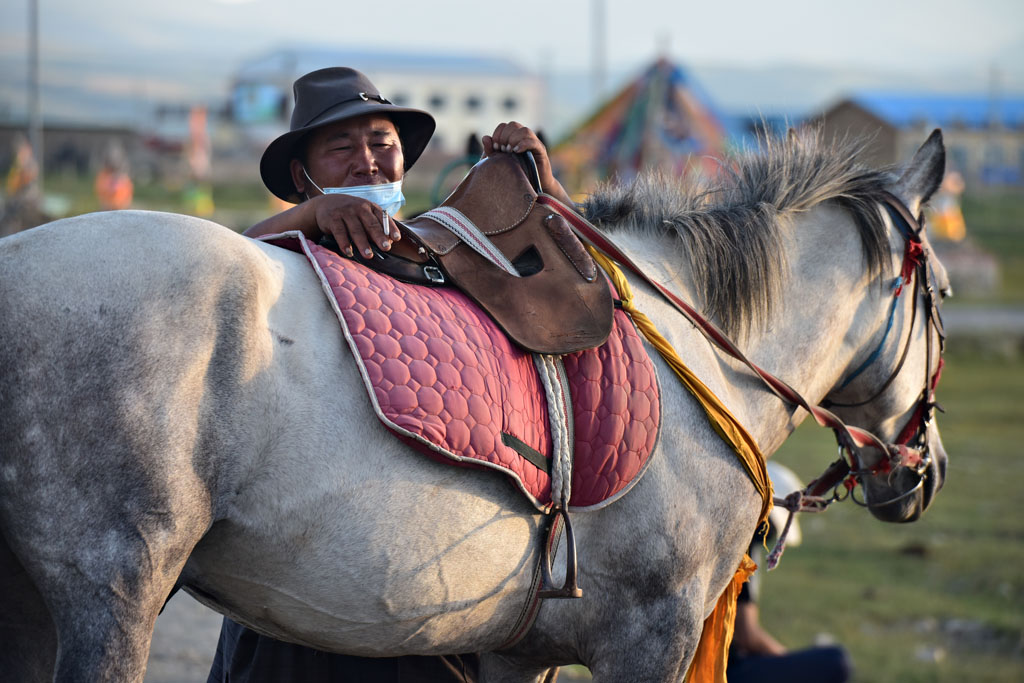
column 846, row 472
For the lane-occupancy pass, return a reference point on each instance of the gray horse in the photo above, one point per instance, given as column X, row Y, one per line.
column 177, row 406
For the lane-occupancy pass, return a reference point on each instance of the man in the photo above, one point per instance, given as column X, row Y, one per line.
column 755, row 655
column 113, row 185
column 343, row 162
column 347, row 147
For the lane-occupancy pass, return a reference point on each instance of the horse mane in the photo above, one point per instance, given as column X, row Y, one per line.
column 729, row 226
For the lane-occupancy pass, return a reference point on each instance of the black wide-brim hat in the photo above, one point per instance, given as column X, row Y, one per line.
column 330, row 95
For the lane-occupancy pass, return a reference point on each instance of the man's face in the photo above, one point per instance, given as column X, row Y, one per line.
column 362, row 151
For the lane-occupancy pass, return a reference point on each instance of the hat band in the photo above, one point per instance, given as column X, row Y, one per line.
column 364, row 97
column 379, row 98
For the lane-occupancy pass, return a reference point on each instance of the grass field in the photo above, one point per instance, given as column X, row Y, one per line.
column 941, row 599
column 996, row 222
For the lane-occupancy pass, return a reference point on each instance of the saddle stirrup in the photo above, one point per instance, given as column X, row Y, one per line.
column 569, row 589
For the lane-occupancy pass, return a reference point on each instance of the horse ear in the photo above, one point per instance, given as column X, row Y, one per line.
column 924, row 174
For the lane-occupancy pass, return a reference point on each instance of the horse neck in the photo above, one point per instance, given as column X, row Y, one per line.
column 827, row 311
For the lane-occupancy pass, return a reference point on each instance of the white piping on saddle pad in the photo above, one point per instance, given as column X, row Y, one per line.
column 463, row 228
column 556, row 390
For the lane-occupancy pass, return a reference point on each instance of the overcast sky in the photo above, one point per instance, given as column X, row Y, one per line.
column 193, row 45
column 917, row 33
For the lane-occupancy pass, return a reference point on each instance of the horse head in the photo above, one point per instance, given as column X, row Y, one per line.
column 889, row 388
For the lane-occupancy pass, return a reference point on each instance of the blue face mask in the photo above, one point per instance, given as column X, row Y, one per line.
column 388, row 197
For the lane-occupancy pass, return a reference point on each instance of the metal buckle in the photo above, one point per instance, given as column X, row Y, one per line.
column 921, row 469
column 434, row 274
column 376, row 98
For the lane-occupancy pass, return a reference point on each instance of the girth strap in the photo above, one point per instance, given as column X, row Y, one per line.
column 556, row 389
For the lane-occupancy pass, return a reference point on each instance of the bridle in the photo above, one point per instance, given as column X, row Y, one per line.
column 910, row 450
column 916, row 276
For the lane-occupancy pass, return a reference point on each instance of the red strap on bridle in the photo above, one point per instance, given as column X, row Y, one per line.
column 913, row 256
column 915, row 424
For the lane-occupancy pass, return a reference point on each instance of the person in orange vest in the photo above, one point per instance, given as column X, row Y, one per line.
column 198, row 154
column 114, row 188
column 24, row 171
column 946, row 217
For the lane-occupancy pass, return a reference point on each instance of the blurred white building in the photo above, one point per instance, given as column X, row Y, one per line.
column 467, row 94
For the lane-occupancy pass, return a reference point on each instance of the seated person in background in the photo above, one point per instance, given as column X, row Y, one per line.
column 113, row 186
column 343, row 162
column 757, row 657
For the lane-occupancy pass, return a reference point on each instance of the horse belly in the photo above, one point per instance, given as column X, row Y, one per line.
column 432, row 559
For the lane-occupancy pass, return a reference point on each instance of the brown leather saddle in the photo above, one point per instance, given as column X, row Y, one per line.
column 519, row 261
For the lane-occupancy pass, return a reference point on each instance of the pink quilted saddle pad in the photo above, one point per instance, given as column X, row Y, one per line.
column 443, row 376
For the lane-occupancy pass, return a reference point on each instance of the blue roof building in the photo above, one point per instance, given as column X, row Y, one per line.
column 984, row 134
column 944, row 111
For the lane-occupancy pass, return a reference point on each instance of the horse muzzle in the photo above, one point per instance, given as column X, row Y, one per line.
column 905, row 493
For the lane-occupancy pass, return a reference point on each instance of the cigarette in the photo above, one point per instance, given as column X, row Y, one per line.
column 384, row 216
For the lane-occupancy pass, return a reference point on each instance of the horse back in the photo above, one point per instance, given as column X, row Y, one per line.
column 129, row 339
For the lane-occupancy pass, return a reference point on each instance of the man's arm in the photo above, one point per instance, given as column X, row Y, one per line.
column 352, row 221
column 299, row 217
column 749, row 636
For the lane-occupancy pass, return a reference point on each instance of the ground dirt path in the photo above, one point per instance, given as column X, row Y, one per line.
column 184, row 642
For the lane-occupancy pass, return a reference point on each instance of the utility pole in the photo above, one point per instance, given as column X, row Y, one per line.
column 35, row 116
column 599, row 56
column 994, row 161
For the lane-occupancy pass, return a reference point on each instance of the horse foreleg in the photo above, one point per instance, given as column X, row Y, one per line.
column 652, row 642
column 29, row 638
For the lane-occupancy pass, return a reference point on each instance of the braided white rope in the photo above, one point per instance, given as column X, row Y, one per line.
column 556, row 389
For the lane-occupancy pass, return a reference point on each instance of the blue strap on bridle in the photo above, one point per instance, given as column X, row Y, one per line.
column 878, row 350
column 900, row 222
column 908, row 234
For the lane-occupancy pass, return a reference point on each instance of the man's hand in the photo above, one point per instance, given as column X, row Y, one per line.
column 516, row 138
column 354, row 223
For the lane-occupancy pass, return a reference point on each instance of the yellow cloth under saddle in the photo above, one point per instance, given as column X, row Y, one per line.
column 712, row 654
